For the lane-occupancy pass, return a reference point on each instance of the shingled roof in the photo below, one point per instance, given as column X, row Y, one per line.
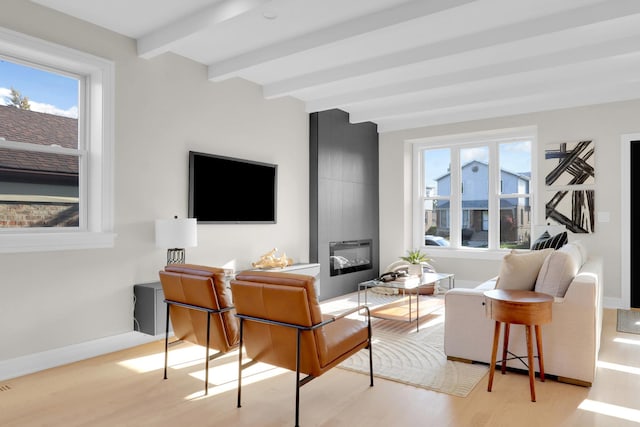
column 37, row 128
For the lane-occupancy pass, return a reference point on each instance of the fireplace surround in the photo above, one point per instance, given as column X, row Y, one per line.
column 343, row 199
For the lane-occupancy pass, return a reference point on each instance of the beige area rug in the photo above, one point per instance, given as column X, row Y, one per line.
column 628, row 321
column 416, row 358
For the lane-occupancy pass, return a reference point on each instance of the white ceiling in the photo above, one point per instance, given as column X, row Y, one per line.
column 398, row 63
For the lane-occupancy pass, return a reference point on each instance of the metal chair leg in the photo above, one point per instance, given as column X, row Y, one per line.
column 206, row 361
column 370, row 365
column 166, row 343
column 240, row 362
column 298, row 379
column 370, row 350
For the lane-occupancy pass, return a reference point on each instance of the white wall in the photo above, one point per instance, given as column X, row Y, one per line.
column 164, row 108
column 603, row 123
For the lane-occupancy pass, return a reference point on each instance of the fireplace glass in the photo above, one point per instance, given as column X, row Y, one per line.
column 349, row 256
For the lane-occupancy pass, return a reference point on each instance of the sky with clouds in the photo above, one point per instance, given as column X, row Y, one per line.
column 48, row 92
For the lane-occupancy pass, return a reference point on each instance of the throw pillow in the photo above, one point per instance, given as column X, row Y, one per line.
column 583, row 250
column 558, row 270
column 520, row 270
column 547, row 241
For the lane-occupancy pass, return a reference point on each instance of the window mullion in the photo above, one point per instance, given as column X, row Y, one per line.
column 494, row 197
column 418, row 195
column 455, row 202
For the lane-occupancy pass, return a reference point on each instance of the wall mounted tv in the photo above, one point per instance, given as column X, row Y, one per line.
column 233, row 191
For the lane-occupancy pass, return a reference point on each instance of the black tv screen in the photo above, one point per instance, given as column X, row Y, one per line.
column 228, row 190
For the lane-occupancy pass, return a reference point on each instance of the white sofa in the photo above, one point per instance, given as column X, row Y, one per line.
column 570, row 342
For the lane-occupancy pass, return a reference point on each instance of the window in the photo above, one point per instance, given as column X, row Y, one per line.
column 40, row 152
column 475, row 190
column 56, row 152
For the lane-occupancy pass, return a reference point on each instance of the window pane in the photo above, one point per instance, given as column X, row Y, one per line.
column 474, row 164
column 515, row 226
column 436, row 222
column 437, row 176
column 515, row 167
column 38, row 189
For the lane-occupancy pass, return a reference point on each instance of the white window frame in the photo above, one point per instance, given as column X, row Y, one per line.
column 492, row 139
column 95, row 136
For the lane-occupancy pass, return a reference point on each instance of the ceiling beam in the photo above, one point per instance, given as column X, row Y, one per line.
column 499, row 90
column 162, row 39
column 374, row 21
column 575, row 97
column 562, row 21
column 564, row 57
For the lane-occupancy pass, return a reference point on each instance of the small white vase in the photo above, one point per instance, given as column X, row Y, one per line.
column 415, row 270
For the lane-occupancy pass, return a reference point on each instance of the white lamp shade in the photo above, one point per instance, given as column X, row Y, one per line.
column 176, row 233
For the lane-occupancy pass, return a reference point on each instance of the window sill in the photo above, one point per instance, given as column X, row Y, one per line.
column 466, row 253
column 43, row 242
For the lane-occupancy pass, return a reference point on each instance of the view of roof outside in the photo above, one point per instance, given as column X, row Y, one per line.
column 515, row 157
column 38, row 107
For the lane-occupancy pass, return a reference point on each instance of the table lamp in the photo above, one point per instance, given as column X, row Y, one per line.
column 175, row 235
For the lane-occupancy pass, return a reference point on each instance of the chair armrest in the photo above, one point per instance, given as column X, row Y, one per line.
column 307, row 328
column 285, row 324
column 350, row 311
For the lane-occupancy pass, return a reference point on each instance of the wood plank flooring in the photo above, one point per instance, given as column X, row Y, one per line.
column 126, row 389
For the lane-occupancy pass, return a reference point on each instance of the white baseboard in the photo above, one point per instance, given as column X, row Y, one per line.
column 609, row 302
column 12, row 368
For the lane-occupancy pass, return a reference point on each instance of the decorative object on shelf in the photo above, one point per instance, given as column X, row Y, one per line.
column 175, row 235
column 270, row 260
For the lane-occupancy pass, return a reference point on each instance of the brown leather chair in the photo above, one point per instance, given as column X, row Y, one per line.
column 201, row 310
column 281, row 324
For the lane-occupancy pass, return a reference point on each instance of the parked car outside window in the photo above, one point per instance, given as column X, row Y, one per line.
column 430, row 240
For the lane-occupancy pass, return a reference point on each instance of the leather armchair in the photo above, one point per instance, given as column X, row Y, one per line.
column 281, row 324
column 201, row 310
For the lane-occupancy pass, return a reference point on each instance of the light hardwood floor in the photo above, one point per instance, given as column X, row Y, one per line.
column 126, row 389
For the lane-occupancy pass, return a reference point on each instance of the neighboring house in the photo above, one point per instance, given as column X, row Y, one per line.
column 38, row 189
column 515, row 213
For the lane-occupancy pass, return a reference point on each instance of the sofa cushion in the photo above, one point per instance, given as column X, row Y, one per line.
column 547, row 241
column 520, row 270
column 583, row 251
column 558, row 270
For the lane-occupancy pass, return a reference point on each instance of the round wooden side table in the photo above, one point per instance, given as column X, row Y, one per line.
column 526, row 308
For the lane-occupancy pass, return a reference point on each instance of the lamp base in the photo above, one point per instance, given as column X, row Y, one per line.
column 175, row 256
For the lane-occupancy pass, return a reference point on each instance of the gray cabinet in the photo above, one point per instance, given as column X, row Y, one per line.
column 150, row 311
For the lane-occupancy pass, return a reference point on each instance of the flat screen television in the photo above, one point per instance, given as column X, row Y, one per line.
column 233, row 191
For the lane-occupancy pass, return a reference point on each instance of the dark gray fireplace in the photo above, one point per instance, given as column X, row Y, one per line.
column 343, row 201
column 349, row 256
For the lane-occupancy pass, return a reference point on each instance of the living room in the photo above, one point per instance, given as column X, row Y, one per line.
column 70, row 304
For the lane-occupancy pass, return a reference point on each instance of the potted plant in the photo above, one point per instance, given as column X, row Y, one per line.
column 417, row 259
column 418, row 263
